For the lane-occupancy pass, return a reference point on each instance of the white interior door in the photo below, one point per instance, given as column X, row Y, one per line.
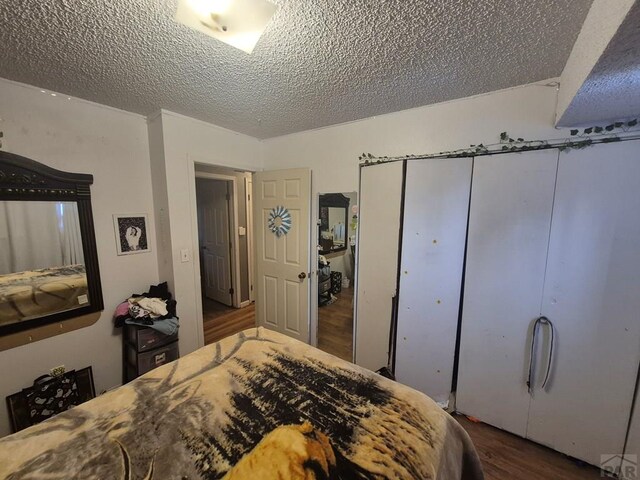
column 592, row 296
column 377, row 261
column 283, row 262
column 215, row 244
column 509, row 222
column 434, row 234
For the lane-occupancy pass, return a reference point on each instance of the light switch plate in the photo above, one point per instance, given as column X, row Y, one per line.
column 242, row 231
column 185, row 255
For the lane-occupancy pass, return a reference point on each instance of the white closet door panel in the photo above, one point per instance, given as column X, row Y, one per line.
column 377, row 261
column 509, row 221
column 434, row 233
column 592, row 295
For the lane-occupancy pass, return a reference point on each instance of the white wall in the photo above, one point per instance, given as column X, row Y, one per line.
column 112, row 145
column 183, row 142
column 332, row 153
column 600, row 26
column 160, row 199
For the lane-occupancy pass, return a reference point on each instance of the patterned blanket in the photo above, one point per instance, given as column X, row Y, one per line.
column 257, row 405
column 34, row 293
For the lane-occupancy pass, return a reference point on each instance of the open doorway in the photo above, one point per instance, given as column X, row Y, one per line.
column 224, row 213
column 337, row 224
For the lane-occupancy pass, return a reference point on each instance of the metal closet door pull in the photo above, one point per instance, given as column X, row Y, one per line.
column 302, row 275
column 544, row 321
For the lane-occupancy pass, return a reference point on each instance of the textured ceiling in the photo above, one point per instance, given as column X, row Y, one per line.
column 612, row 89
column 320, row 62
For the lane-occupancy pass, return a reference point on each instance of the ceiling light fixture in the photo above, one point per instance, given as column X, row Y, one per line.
column 239, row 23
column 207, row 7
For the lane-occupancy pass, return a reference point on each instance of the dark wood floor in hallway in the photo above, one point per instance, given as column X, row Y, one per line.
column 335, row 326
column 221, row 321
column 505, row 456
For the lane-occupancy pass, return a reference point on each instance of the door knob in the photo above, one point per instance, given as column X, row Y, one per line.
column 302, row 275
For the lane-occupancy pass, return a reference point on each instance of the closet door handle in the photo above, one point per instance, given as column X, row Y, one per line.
column 544, row 321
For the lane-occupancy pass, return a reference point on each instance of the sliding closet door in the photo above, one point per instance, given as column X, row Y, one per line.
column 592, row 296
column 434, row 232
column 377, row 261
column 509, row 221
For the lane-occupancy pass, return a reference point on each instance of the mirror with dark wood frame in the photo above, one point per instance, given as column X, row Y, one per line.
column 48, row 259
column 333, row 223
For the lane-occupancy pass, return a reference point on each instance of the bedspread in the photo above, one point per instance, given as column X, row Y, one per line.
column 256, row 405
column 34, row 293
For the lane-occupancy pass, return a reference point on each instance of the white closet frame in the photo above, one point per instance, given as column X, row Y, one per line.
column 550, row 233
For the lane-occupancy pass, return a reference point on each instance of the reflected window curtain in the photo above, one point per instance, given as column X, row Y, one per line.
column 70, row 236
column 338, row 232
column 29, row 236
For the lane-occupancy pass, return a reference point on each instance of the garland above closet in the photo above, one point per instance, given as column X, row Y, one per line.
column 614, row 132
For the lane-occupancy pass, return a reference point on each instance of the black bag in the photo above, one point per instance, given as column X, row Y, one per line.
column 51, row 395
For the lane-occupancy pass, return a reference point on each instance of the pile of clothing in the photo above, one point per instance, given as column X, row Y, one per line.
column 155, row 309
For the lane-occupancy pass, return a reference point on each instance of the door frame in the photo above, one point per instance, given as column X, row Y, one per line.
column 314, row 319
column 248, row 190
column 233, row 235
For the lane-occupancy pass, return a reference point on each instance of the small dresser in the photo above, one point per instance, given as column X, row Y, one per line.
column 324, row 284
column 145, row 349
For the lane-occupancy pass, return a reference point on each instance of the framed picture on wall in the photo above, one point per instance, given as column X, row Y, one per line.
column 131, row 233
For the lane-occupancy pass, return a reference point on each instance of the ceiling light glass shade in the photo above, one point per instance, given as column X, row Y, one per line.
column 239, row 23
column 207, row 7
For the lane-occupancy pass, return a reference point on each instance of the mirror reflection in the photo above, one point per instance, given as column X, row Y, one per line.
column 333, row 228
column 42, row 265
column 337, row 225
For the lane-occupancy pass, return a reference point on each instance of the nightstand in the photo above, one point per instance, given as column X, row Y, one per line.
column 145, row 349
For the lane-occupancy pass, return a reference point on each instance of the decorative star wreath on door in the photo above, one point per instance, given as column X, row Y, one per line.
column 279, row 221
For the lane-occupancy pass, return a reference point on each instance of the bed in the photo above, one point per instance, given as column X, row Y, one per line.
column 256, row 405
column 34, row 293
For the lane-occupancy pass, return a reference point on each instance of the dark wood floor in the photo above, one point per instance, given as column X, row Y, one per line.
column 221, row 321
column 506, row 456
column 335, row 326
column 211, row 308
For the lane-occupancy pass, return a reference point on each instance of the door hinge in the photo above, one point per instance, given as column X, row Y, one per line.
column 251, row 287
column 231, row 291
column 228, row 197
